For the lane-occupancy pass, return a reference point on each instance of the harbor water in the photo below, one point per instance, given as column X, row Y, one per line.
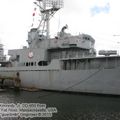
column 70, row 106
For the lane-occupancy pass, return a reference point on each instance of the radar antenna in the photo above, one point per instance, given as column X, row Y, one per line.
column 47, row 9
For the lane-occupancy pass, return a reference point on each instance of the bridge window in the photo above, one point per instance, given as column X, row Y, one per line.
column 30, row 64
column 27, row 64
column 43, row 63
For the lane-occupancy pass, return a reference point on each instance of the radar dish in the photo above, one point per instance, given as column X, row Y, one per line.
column 54, row 3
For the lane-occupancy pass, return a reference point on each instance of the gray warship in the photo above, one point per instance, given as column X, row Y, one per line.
column 62, row 63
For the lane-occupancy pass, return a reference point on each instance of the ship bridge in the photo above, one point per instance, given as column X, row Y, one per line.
column 81, row 41
column 69, row 46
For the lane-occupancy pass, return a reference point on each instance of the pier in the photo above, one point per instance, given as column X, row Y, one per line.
column 16, row 81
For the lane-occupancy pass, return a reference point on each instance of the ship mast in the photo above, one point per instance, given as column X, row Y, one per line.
column 47, row 9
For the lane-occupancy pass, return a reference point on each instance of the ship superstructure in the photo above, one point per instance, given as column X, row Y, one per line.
column 65, row 62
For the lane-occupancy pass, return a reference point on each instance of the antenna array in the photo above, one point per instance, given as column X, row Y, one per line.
column 53, row 3
column 47, row 8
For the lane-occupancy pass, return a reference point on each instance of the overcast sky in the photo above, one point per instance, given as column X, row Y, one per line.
column 99, row 18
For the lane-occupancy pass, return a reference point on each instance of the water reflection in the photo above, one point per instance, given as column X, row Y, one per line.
column 69, row 106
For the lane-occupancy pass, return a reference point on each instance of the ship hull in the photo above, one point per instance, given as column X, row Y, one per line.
column 101, row 81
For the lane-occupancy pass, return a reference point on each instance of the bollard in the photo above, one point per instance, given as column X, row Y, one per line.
column 17, row 82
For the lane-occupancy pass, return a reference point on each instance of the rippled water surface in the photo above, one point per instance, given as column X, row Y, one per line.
column 70, row 106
